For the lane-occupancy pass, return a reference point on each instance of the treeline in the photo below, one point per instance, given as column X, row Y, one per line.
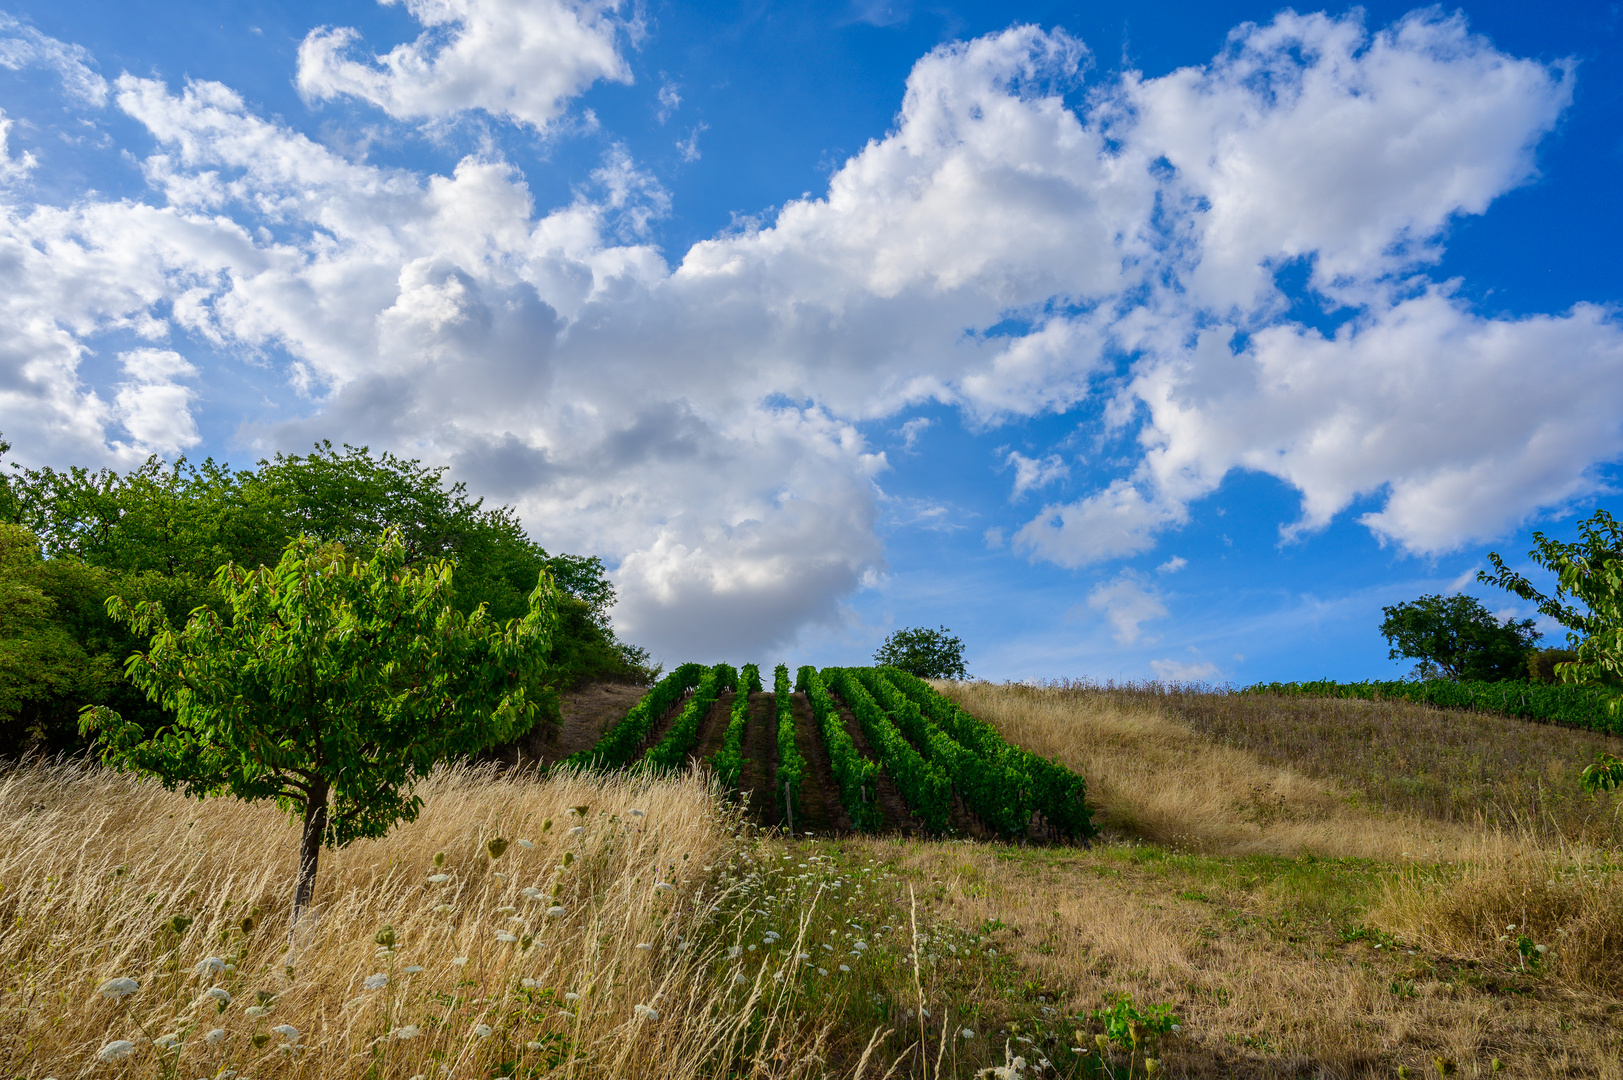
column 69, row 539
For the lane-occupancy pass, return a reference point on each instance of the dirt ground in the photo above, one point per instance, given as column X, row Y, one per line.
column 587, row 713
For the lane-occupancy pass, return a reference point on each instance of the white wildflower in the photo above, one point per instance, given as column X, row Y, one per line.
column 208, row 966
column 482, row 1030
column 967, row 1033
column 531, row 893
column 556, row 910
column 1020, row 1063
column 408, row 1032
column 576, row 831
column 411, row 969
column 438, row 879
column 528, row 984
column 639, row 813
column 504, row 936
column 256, row 1011
column 571, row 996
column 459, row 960
column 845, row 969
column 376, row 982
column 822, row 971
column 663, row 886
column 167, row 1041
column 117, row 1050
column 118, row 988
column 643, row 1012
column 732, row 953
column 286, row 1031
column 526, row 845
column 643, row 946
column 215, row 1037
column 739, row 978
column 218, row 993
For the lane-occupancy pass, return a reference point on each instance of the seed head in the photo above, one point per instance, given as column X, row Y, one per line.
column 118, row 988
column 495, row 846
column 385, row 936
column 439, row 858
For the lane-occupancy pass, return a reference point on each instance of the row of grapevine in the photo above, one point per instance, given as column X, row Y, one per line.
column 672, row 750
column 995, row 787
column 1049, row 787
column 925, row 787
column 620, row 742
column 1562, row 703
column 729, row 760
column 791, row 766
column 854, row 774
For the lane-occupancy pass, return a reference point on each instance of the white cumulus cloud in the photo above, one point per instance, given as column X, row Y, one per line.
column 517, row 61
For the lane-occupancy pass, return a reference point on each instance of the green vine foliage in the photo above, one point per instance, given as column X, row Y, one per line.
column 620, row 743
column 925, row 787
column 729, row 760
column 791, row 765
column 672, row 750
column 855, row 774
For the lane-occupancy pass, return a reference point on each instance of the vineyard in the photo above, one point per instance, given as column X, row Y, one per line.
column 1560, row 703
column 869, row 750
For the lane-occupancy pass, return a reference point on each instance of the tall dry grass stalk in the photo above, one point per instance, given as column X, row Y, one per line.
column 105, row 877
column 1565, row 910
column 1153, row 777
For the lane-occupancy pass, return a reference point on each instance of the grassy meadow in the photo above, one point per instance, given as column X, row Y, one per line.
column 1310, row 888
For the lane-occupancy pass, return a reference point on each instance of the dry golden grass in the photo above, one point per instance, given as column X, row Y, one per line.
column 1570, row 903
column 95, row 868
column 1263, row 959
column 1274, row 959
column 1153, row 778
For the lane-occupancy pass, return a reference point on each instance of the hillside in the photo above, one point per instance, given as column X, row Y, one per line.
column 1299, row 906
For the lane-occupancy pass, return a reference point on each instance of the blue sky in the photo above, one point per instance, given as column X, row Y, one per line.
column 1131, row 341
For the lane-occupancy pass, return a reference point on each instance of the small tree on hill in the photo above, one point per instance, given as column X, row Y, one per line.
column 926, row 653
column 1459, row 638
column 337, row 684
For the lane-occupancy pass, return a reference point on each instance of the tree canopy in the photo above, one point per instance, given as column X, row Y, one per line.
column 160, row 531
column 1459, row 638
column 335, row 684
column 1590, row 572
column 925, row 653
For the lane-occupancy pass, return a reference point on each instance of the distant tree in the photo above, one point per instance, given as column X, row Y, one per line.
column 926, row 653
column 1456, row 637
column 335, row 685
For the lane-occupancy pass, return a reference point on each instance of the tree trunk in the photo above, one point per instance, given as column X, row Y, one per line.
column 315, row 825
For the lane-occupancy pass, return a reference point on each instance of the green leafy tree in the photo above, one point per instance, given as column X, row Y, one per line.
column 160, row 531
column 336, row 684
column 1591, row 573
column 1459, row 638
column 925, row 653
